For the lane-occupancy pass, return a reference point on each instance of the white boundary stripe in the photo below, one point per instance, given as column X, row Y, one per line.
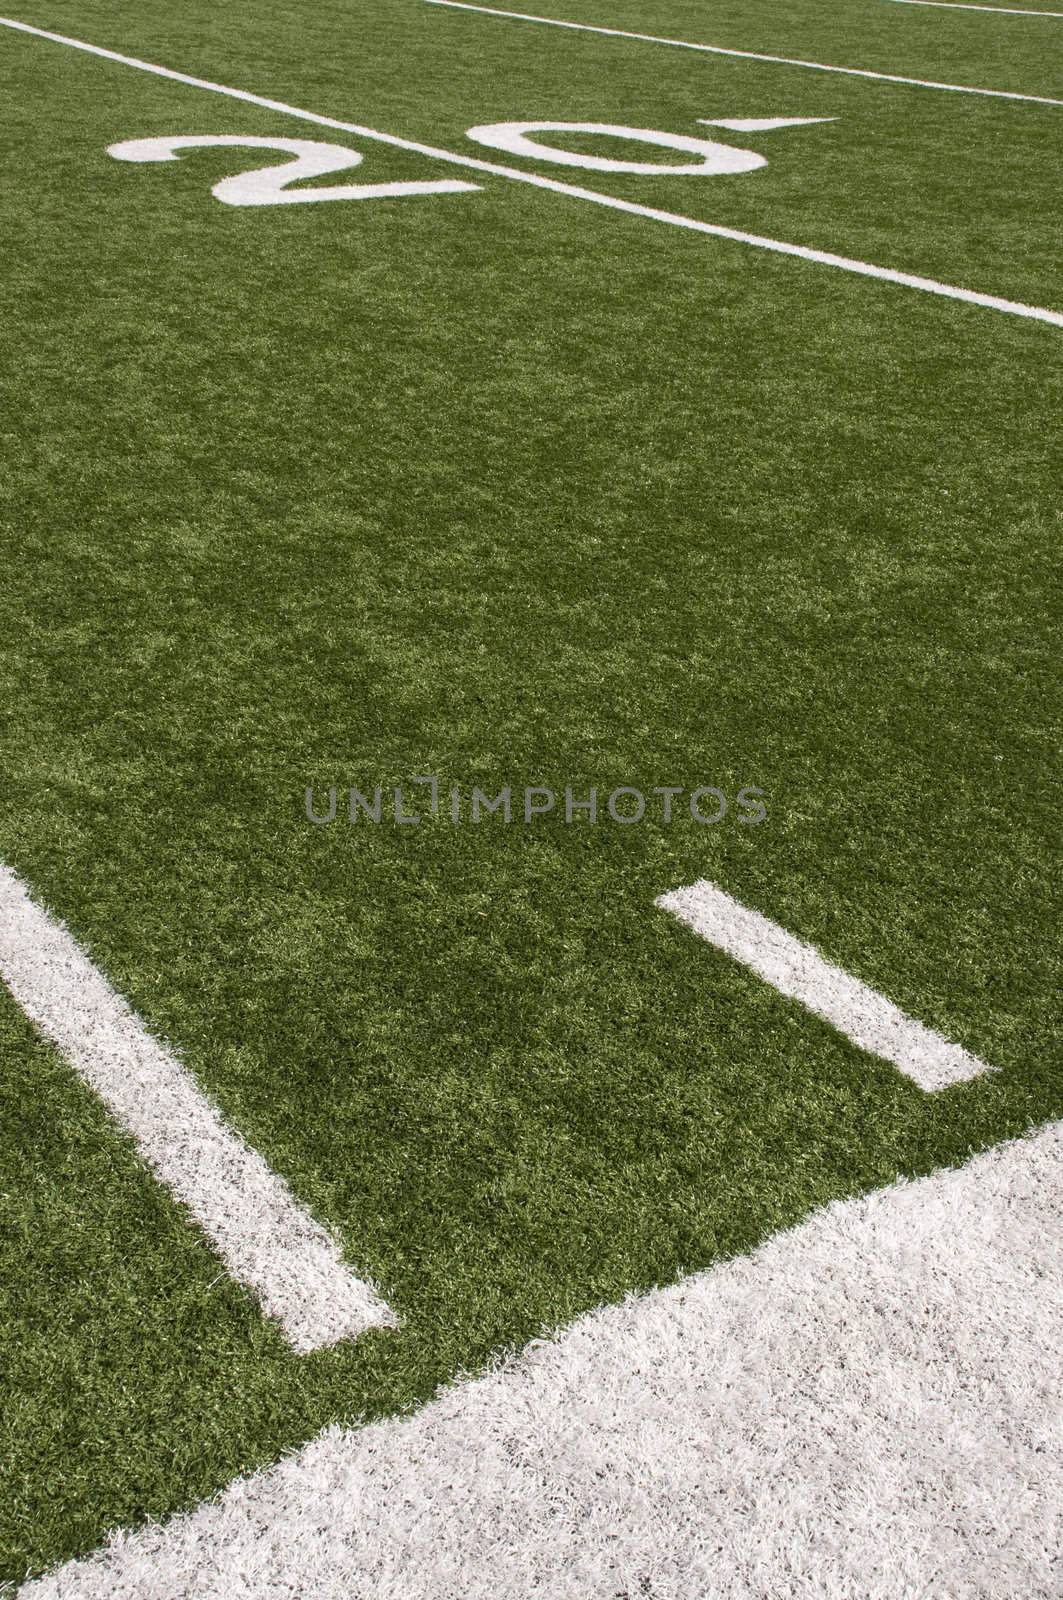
column 825, row 258
column 868, row 1404
column 955, row 5
column 745, row 55
column 266, row 1240
column 799, row 971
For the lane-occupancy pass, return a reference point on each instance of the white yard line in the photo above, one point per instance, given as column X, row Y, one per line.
column 744, row 55
column 964, row 5
column 266, row 1240
column 867, row 1405
column 798, row 971
column 573, row 191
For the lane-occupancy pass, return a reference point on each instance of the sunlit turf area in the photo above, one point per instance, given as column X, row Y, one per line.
column 508, row 486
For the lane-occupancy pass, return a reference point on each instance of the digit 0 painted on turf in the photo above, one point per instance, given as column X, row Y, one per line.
column 714, row 159
column 538, row 180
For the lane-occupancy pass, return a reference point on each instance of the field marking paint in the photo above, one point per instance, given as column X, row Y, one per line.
column 955, row 5
column 875, row 1391
column 761, row 124
column 745, row 55
column 798, row 971
column 266, row 1240
column 269, row 186
column 714, row 158
column 536, row 180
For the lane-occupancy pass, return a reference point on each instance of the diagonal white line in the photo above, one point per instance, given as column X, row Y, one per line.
column 798, row 971
column 868, row 1405
column 867, row 269
column 955, row 5
column 266, row 1240
column 745, row 55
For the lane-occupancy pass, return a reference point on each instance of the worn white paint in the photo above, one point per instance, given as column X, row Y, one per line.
column 867, row 1406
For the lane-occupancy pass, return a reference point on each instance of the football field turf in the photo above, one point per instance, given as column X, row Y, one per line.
column 736, row 479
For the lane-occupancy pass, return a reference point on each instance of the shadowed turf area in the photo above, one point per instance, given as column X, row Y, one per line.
column 511, row 489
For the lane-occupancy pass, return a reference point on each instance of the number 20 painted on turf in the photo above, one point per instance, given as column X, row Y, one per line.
column 271, row 186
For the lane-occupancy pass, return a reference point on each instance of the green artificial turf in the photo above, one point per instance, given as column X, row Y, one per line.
column 506, row 488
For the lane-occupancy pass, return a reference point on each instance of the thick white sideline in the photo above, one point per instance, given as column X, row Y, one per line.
column 867, row 1405
column 265, row 1238
column 746, row 55
column 798, row 971
column 536, row 180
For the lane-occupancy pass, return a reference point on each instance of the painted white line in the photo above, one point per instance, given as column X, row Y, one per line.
column 745, row 55
column 266, row 1240
column 955, row 5
column 798, row 971
column 867, row 1405
column 761, row 124
column 825, row 258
